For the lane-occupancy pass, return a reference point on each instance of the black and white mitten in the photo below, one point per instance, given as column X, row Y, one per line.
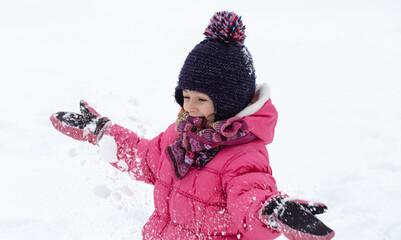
column 295, row 218
column 86, row 126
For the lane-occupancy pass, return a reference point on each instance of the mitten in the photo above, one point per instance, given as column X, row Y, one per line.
column 87, row 126
column 295, row 218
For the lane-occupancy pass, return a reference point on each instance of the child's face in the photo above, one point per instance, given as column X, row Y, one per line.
column 198, row 104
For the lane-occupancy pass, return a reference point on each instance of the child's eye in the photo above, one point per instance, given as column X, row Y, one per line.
column 186, row 97
column 202, row 100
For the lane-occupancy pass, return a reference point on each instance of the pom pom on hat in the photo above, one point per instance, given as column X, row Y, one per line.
column 226, row 27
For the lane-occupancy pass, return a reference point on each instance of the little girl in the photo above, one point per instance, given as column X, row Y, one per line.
column 210, row 169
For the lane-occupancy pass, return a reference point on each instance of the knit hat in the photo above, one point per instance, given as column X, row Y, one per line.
column 221, row 67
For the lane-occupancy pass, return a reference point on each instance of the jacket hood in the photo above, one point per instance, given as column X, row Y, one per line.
column 260, row 114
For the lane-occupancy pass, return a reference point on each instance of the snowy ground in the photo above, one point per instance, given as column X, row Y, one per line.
column 335, row 72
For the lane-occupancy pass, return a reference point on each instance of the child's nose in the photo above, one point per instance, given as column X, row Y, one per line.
column 191, row 106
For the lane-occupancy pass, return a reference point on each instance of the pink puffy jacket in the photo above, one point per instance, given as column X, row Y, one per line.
column 219, row 201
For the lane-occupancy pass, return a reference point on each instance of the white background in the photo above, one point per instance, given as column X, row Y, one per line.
column 334, row 68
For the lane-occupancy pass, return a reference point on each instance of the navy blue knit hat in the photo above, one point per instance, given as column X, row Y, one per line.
column 221, row 67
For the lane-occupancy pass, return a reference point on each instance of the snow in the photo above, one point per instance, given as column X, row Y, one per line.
column 102, row 191
column 333, row 68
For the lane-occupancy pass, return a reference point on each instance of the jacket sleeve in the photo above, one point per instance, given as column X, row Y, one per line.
column 248, row 183
column 139, row 157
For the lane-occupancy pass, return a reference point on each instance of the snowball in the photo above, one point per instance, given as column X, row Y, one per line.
column 108, row 149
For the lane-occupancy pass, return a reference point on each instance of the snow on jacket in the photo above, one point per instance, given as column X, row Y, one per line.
column 218, row 201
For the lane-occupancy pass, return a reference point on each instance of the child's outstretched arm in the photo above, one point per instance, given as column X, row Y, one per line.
column 248, row 182
column 137, row 156
column 260, row 211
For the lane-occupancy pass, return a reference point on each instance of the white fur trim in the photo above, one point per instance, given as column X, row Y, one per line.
column 264, row 96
